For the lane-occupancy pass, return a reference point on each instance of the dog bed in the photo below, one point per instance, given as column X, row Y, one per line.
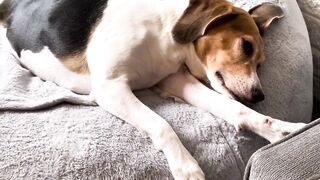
column 48, row 132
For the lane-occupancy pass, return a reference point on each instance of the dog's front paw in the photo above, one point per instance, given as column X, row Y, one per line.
column 188, row 171
column 269, row 128
column 275, row 130
column 284, row 129
column 184, row 167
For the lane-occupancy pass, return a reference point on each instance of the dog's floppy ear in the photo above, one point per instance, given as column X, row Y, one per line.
column 264, row 14
column 197, row 17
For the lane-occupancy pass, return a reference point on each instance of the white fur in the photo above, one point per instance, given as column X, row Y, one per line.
column 132, row 48
column 45, row 65
column 137, row 52
column 137, row 44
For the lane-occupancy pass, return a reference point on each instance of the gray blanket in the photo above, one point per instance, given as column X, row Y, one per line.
column 48, row 132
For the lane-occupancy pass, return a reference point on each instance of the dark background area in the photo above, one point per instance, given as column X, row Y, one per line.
column 316, row 109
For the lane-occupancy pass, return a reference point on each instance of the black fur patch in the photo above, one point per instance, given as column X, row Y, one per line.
column 62, row 25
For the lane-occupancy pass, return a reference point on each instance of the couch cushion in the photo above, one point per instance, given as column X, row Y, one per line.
column 311, row 13
column 294, row 158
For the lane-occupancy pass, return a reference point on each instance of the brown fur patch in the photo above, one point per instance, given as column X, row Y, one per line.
column 224, row 38
column 265, row 13
column 77, row 63
column 198, row 15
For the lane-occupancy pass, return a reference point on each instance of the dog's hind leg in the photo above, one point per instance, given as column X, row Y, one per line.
column 46, row 66
column 185, row 86
column 116, row 97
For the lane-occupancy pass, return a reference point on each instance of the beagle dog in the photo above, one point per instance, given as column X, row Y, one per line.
column 108, row 48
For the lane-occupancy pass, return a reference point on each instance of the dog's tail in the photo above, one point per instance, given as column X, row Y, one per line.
column 4, row 10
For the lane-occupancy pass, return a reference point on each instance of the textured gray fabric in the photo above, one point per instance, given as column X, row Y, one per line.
column 311, row 13
column 85, row 142
column 296, row 157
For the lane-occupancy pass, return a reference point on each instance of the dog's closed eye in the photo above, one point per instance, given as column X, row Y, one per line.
column 258, row 66
column 247, row 47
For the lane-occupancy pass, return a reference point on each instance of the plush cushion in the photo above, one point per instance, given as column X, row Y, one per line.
column 50, row 141
column 311, row 13
column 294, row 158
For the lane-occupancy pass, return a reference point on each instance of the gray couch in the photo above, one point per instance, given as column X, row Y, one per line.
column 47, row 132
column 296, row 157
column 311, row 13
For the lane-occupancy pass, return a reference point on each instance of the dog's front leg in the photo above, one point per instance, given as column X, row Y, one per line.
column 186, row 87
column 117, row 98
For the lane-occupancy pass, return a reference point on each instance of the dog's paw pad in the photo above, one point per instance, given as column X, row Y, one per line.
column 285, row 133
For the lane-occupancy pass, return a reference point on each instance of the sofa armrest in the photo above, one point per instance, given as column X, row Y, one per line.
column 294, row 158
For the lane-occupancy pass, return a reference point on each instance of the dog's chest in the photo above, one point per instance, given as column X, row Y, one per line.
column 154, row 65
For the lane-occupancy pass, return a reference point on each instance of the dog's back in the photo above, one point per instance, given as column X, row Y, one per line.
column 59, row 36
column 64, row 26
column 43, row 33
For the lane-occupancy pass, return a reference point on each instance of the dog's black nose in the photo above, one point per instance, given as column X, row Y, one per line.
column 256, row 95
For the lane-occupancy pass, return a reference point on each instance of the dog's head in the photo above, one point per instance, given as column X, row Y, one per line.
column 228, row 43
